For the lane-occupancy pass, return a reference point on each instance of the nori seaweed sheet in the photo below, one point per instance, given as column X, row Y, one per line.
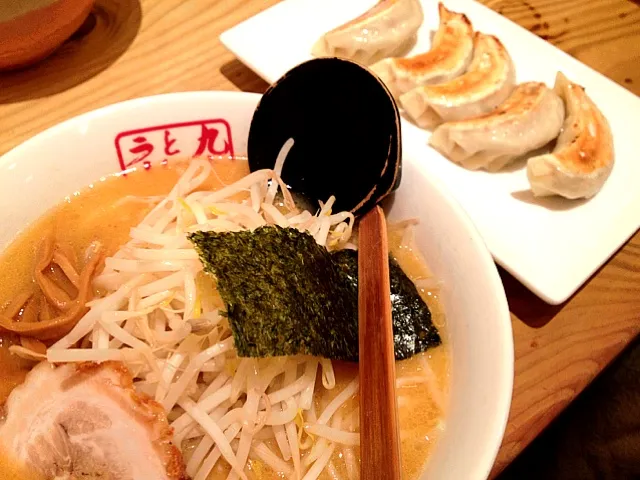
column 287, row 295
column 284, row 294
column 413, row 329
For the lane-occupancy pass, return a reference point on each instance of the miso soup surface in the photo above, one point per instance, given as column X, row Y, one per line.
column 107, row 209
column 99, row 212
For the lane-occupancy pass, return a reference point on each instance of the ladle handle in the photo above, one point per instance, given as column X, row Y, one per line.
column 379, row 439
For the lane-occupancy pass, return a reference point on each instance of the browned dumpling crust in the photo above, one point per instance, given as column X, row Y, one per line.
column 529, row 119
column 448, row 57
column 583, row 157
column 488, row 82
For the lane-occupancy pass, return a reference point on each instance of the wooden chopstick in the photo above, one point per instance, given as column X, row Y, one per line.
column 379, row 439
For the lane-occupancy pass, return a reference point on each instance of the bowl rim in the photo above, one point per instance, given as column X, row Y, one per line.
column 106, row 110
column 505, row 333
column 500, row 302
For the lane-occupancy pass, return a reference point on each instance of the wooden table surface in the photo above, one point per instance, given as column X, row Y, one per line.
column 132, row 48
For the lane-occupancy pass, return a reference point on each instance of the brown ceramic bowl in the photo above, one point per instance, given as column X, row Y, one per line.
column 30, row 30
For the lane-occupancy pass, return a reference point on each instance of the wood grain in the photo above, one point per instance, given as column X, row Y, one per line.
column 131, row 48
column 604, row 34
column 379, row 437
column 560, row 350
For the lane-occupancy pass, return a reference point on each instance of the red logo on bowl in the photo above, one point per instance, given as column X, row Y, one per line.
column 183, row 140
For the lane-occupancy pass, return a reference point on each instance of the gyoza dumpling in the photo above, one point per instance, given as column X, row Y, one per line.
column 387, row 29
column 583, row 157
column 530, row 118
column 487, row 83
column 448, row 58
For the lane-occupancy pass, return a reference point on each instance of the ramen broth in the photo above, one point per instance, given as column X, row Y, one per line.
column 107, row 209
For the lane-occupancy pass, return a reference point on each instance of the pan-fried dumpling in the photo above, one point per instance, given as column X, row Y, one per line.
column 448, row 58
column 583, row 157
column 487, row 83
column 530, row 118
column 387, row 29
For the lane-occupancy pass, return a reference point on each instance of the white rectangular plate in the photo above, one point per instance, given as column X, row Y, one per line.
column 551, row 245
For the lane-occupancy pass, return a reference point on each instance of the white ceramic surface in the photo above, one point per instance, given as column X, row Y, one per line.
column 551, row 245
column 70, row 156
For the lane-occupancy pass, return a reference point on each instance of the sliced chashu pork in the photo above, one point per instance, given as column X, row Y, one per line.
column 87, row 421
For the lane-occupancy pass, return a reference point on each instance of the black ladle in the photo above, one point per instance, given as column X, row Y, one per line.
column 346, row 131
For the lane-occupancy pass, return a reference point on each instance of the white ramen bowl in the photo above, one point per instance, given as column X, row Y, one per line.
column 62, row 160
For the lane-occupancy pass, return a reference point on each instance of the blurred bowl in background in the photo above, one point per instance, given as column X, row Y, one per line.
column 30, row 30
